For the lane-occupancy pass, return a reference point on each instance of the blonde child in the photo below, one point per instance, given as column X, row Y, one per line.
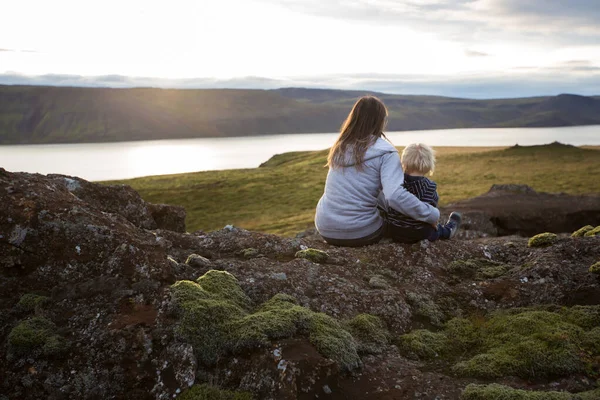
column 418, row 160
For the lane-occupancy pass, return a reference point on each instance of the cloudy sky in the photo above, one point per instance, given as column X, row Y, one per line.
column 463, row 48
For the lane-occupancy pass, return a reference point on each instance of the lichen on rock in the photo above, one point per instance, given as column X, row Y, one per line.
column 314, row 255
column 542, row 240
column 595, row 268
column 582, row 231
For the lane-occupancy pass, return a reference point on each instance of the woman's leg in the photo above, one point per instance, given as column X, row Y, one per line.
column 373, row 238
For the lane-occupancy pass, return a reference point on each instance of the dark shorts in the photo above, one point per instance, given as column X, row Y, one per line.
column 373, row 238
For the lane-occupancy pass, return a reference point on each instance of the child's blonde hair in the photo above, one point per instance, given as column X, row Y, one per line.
column 418, row 157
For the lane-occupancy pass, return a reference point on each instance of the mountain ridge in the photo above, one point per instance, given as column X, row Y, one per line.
column 47, row 114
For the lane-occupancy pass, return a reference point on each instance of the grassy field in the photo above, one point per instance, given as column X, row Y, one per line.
column 281, row 196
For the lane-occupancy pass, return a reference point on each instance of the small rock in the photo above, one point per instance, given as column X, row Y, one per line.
column 327, row 389
column 195, row 260
column 280, row 276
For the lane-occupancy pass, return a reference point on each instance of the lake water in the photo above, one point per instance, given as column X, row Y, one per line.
column 104, row 161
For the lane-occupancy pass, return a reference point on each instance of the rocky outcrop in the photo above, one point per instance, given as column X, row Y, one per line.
column 100, row 299
column 519, row 210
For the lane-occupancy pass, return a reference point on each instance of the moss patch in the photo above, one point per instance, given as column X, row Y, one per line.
column 593, row 232
column 423, row 344
column 595, row 268
column 215, row 317
column 582, row 231
column 425, row 307
column 314, row 255
column 30, row 301
column 35, row 335
column 526, row 343
column 542, row 240
column 206, row 392
column 501, row 392
column 479, row 268
column 370, row 333
column 250, row 253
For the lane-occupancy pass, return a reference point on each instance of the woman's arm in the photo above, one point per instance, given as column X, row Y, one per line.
column 400, row 199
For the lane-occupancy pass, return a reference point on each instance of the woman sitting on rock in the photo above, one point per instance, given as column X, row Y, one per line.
column 362, row 165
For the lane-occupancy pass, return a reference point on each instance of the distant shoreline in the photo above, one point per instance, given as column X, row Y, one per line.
column 75, row 115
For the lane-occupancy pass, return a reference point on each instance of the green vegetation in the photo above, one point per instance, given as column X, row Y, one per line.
column 216, row 317
column 527, row 342
column 34, row 114
column 495, row 391
column 542, row 240
column 30, row 301
column 595, row 268
column 423, row 306
column 593, row 232
column 480, row 268
column 370, row 333
column 33, row 335
column 281, row 196
column 582, row 231
column 314, row 255
column 206, row 392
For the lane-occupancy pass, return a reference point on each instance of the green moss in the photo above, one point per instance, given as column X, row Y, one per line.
column 586, row 317
column 595, row 268
column 589, row 395
column 593, row 232
column 54, row 345
column 328, row 336
column 495, row 391
column 34, row 334
column 424, row 306
column 225, row 286
column 527, row 343
column 214, row 317
column 206, row 392
column 370, row 332
column 542, row 240
column 250, row 253
column 479, row 268
column 591, row 341
column 30, row 301
column 314, row 255
column 462, row 335
column 423, row 344
column 582, row 231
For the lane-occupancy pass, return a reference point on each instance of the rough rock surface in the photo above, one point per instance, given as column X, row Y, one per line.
column 86, row 308
column 519, row 210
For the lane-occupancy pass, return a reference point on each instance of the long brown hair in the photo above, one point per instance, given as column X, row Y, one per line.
column 363, row 125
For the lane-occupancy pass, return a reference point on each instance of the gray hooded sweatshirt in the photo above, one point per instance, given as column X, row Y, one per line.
column 348, row 208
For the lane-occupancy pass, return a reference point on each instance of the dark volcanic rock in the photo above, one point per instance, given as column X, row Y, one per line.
column 99, row 319
column 519, row 210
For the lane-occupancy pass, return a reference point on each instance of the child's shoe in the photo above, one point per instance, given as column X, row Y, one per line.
column 453, row 223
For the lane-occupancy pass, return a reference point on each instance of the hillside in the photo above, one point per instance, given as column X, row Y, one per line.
column 104, row 296
column 35, row 114
column 289, row 185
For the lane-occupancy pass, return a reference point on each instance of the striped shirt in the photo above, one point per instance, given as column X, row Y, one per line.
column 425, row 190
